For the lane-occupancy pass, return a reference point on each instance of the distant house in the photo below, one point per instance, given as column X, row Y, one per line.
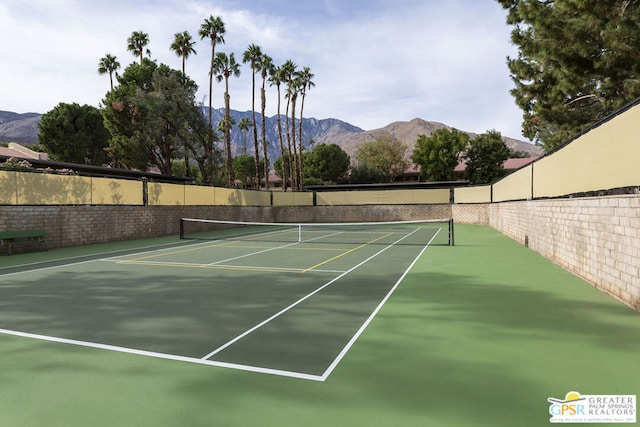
column 412, row 173
column 509, row 165
column 21, row 152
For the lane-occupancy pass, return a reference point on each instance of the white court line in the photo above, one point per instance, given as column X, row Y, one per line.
column 53, row 267
column 163, row 355
column 286, row 309
column 344, row 351
column 204, row 360
column 220, row 266
column 253, row 253
column 98, row 254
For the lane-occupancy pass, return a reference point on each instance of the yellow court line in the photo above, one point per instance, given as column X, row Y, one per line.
column 346, row 252
column 184, row 250
column 213, row 267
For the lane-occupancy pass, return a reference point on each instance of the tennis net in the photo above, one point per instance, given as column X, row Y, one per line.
column 420, row 232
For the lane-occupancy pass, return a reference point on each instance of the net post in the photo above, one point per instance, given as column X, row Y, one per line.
column 299, row 233
column 451, row 233
column 181, row 228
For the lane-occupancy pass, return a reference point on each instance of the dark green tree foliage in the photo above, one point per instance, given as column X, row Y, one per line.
column 439, row 154
column 578, row 61
column 385, row 155
column 122, row 116
column 365, row 175
column 485, row 158
column 281, row 168
column 326, row 164
column 153, row 116
column 74, row 133
column 244, row 169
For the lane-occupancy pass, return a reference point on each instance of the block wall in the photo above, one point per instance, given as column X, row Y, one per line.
column 598, row 239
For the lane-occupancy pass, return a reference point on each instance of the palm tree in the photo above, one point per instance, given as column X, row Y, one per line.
column 212, row 28
column 293, row 89
column 252, row 55
column 265, row 65
column 224, row 67
column 108, row 65
column 289, row 69
column 277, row 78
column 137, row 43
column 183, row 47
column 244, row 124
column 305, row 77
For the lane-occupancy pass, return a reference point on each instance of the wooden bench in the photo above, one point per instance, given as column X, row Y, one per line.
column 11, row 239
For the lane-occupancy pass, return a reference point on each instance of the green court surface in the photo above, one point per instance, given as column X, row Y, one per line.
column 236, row 333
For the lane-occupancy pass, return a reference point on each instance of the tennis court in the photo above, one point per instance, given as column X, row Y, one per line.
column 477, row 334
column 269, row 298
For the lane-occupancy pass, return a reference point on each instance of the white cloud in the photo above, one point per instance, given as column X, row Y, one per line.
column 374, row 62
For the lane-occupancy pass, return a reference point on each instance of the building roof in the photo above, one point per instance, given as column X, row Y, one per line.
column 21, row 152
column 40, row 161
column 509, row 164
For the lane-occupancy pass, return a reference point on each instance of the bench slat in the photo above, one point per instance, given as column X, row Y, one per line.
column 22, row 237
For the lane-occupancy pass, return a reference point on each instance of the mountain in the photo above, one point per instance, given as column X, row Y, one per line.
column 23, row 128
column 408, row 132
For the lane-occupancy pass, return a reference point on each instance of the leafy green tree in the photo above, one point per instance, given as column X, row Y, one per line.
column 108, row 65
column 162, row 125
column 137, row 44
column 281, row 168
column 153, row 116
column 385, row 154
column 365, row 175
column 577, row 62
column 74, row 133
column 226, row 66
column 122, row 116
column 213, row 29
column 244, row 168
column 327, row 163
column 439, row 154
column 183, row 47
column 485, row 158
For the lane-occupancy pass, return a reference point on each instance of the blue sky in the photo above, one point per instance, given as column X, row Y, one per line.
column 375, row 62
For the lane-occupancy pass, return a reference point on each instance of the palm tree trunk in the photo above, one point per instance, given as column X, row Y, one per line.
column 284, row 168
column 227, row 134
column 294, row 172
column 255, row 130
column 265, row 143
column 289, row 156
column 300, row 169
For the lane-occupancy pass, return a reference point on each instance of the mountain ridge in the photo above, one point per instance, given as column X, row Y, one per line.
column 23, row 128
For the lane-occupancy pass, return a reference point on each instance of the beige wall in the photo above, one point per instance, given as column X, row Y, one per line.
column 383, row 197
column 606, row 157
column 476, row 194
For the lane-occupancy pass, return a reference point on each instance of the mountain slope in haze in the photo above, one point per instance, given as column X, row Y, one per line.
column 23, row 128
column 408, row 132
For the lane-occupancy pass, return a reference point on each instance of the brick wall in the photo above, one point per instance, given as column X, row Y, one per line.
column 81, row 225
column 596, row 238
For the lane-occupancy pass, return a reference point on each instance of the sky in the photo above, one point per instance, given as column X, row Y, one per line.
column 374, row 61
